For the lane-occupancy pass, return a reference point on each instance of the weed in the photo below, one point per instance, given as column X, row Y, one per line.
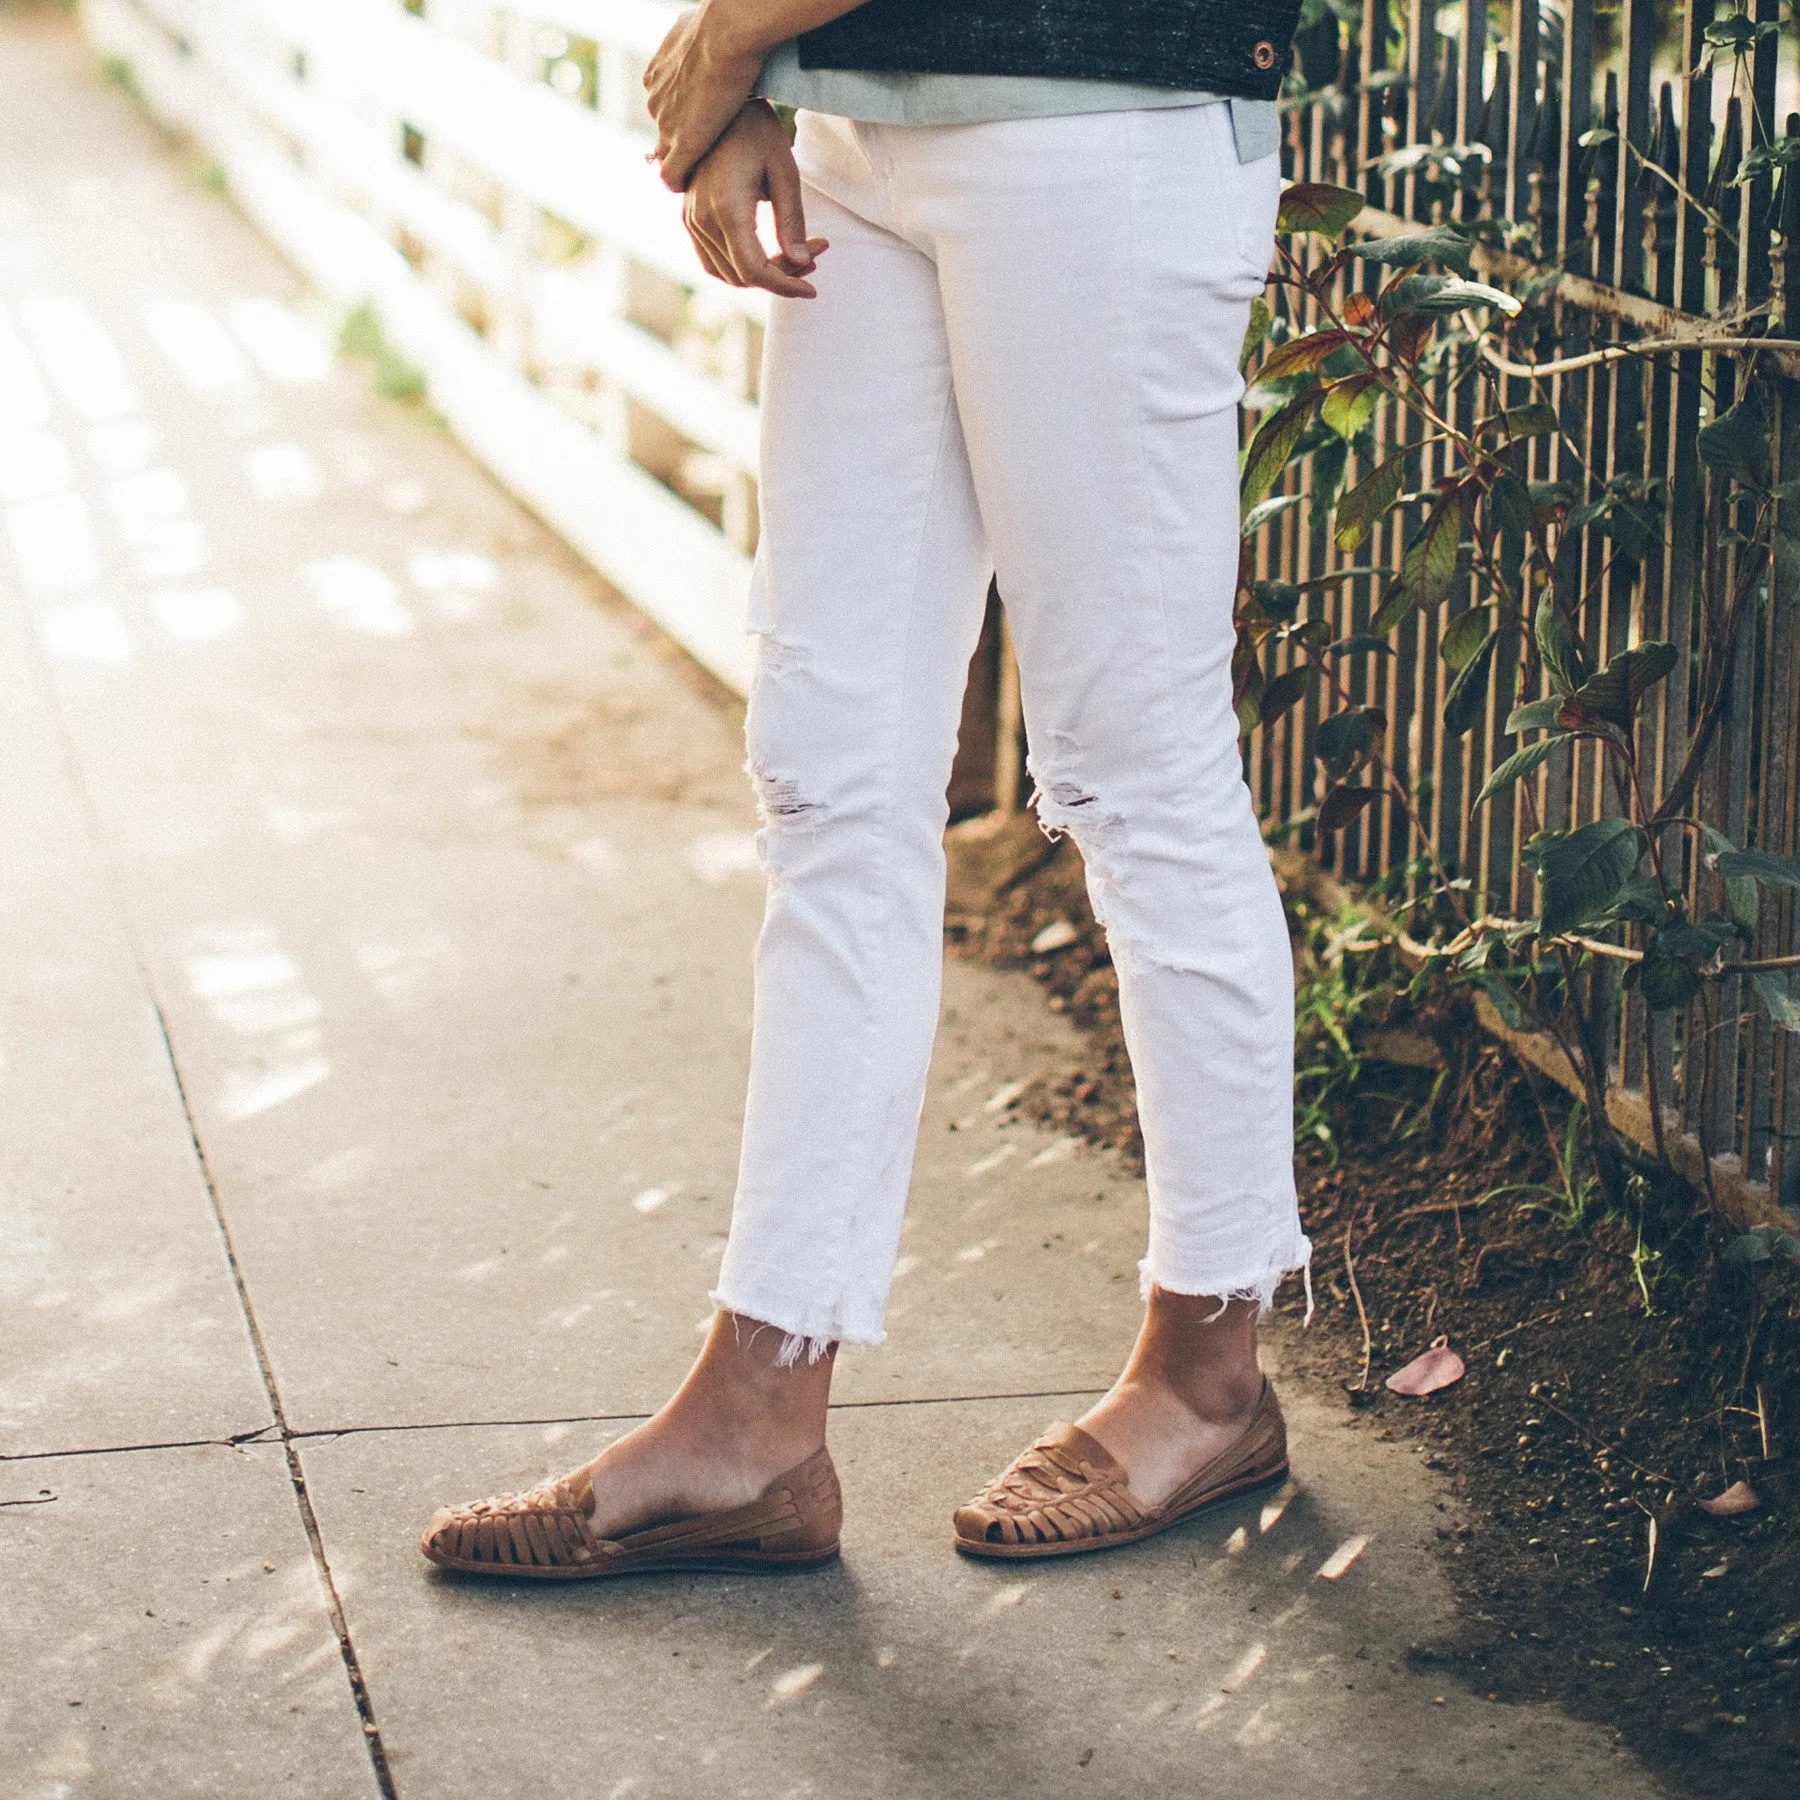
column 118, row 72
column 1343, row 977
column 361, row 335
column 1566, row 1201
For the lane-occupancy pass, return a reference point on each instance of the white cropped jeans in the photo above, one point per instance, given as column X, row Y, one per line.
column 1022, row 359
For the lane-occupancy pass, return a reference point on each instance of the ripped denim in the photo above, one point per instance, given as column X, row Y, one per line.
column 959, row 399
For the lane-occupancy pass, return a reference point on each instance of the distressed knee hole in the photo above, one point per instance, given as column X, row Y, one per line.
column 1067, row 809
column 779, row 798
column 778, row 656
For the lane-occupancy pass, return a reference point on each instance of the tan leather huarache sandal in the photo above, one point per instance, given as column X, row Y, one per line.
column 544, row 1534
column 1068, row 1493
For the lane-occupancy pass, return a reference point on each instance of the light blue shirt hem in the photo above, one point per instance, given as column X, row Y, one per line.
column 883, row 99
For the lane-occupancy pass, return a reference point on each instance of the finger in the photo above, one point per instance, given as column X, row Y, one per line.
column 673, row 164
column 752, row 263
column 788, row 201
column 815, row 248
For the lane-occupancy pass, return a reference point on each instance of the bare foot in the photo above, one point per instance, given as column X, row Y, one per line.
column 1186, row 1393
column 737, row 1421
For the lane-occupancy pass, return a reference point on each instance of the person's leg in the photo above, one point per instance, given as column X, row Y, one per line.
column 1097, row 274
column 867, row 600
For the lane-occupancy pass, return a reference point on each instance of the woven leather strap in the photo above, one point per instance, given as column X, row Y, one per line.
column 547, row 1527
column 1066, row 1486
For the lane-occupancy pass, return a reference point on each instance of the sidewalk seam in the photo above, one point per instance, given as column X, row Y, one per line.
column 78, row 782
column 359, row 1689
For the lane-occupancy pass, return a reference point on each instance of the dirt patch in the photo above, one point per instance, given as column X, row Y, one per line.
column 1619, row 1372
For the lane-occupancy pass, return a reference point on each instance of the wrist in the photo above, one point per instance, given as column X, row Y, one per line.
column 737, row 36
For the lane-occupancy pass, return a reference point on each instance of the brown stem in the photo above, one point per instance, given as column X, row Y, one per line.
column 1655, row 1089
column 1716, row 690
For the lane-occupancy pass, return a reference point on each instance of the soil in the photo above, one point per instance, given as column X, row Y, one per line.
column 1591, row 1422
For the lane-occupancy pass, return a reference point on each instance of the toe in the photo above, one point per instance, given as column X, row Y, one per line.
column 972, row 1522
column 443, row 1535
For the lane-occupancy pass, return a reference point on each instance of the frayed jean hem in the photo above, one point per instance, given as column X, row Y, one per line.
column 1256, row 1285
column 805, row 1335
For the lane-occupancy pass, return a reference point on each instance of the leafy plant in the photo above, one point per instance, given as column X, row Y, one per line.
column 362, row 335
column 1371, row 360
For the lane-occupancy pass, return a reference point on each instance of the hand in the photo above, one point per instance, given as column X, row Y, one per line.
column 752, row 162
column 695, row 84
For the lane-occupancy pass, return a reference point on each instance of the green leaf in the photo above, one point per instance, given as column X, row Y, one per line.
column 1343, row 804
column 1534, row 715
column 1359, row 641
column 1614, row 695
column 1561, row 654
column 1312, row 634
column 1318, row 206
column 1273, row 446
column 1282, row 693
column 1436, row 296
column 1509, row 505
column 1350, row 403
column 1439, row 245
column 1247, row 686
column 1277, row 601
column 1343, row 738
column 1628, row 520
column 1428, row 569
column 1759, row 865
column 1264, row 510
column 1518, row 423
column 1762, row 1244
column 1666, row 981
column 1466, row 633
column 1579, row 872
column 1640, row 901
column 1330, row 461
column 1698, row 938
column 1520, row 764
column 1765, row 159
column 1506, row 1002
column 1300, row 354
column 1743, row 899
column 1261, row 317
column 1733, row 32
column 1736, row 443
column 1468, row 693
column 1409, row 294
column 1370, row 500
column 1548, row 498
column 1773, row 991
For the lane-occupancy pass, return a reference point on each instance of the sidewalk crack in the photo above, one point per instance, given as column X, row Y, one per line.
column 279, row 1432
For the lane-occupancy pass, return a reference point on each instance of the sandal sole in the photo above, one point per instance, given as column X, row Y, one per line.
column 769, row 1562
column 1116, row 1540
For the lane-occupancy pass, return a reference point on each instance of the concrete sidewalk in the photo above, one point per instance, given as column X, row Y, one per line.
column 376, row 903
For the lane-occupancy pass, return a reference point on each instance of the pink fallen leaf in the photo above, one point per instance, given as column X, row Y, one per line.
column 1740, row 1497
column 1436, row 1368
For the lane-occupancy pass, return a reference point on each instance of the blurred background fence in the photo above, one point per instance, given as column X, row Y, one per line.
column 476, row 174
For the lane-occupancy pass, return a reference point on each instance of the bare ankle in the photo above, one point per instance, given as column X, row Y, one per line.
column 740, row 1393
column 1202, row 1350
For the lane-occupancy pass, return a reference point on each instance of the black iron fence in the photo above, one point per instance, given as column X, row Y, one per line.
column 1631, row 173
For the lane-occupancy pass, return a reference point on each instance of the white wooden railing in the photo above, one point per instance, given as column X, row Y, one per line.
column 476, row 174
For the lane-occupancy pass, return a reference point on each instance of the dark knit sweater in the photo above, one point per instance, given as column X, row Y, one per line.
column 1237, row 47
